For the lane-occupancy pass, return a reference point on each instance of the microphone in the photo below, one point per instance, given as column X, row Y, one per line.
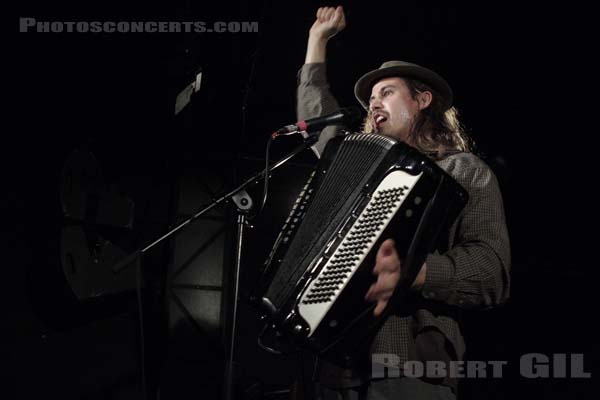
column 349, row 116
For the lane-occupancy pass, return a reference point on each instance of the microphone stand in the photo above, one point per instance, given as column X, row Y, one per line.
column 244, row 204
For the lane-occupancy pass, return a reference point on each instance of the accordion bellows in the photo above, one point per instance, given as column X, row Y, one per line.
column 366, row 188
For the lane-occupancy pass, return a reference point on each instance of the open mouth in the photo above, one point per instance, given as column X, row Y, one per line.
column 379, row 119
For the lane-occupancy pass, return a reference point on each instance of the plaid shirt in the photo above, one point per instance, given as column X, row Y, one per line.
column 469, row 271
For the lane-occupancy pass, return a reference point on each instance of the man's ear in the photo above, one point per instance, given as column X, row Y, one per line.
column 424, row 99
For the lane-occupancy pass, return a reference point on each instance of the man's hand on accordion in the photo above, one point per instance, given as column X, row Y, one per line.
column 388, row 269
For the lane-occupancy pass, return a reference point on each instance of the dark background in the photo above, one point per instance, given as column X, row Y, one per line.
column 517, row 71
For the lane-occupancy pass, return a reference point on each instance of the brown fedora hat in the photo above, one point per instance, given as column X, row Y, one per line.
column 362, row 89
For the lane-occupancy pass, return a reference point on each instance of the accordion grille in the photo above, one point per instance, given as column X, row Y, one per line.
column 357, row 159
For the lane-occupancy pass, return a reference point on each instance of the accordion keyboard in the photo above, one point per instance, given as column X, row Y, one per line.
column 385, row 202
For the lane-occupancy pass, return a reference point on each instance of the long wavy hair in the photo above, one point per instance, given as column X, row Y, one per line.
column 436, row 131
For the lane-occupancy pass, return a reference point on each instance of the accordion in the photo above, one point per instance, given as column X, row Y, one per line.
column 365, row 189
